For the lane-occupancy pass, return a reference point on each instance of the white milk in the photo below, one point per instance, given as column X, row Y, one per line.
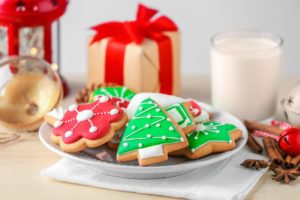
column 245, row 72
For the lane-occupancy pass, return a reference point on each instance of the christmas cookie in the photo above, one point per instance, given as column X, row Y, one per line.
column 200, row 115
column 52, row 116
column 115, row 141
column 181, row 114
column 150, row 135
column 88, row 125
column 120, row 95
column 209, row 138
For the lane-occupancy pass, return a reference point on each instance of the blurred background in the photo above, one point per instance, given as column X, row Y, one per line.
column 198, row 20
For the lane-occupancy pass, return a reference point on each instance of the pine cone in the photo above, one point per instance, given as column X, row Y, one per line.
column 84, row 95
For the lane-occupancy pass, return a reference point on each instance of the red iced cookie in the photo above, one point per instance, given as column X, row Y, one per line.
column 88, row 125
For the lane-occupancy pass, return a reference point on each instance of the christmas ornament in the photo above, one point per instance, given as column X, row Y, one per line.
column 291, row 105
column 288, row 140
column 28, row 27
column 29, row 89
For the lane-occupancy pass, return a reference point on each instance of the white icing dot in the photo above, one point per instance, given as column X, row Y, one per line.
column 149, row 116
column 168, row 119
column 157, row 125
column 193, row 150
column 171, row 128
column 114, row 111
column 103, row 99
column 84, row 115
column 73, row 107
column 133, row 127
column 140, row 145
column 196, row 138
column 205, row 132
column 125, row 144
column 149, row 135
column 141, row 108
column 126, row 124
column 157, row 110
column 93, row 129
column 150, row 102
column 68, row 134
column 147, row 125
column 230, row 141
column 164, row 137
column 58, row 124
column 181, row 139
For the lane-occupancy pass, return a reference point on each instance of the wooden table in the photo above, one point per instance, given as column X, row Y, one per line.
column 22, row 161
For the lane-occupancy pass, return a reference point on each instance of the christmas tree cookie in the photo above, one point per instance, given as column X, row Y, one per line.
column 210, row 137
column 120, row 95
column 86, row 125
column 181, row 114
column 150, row 135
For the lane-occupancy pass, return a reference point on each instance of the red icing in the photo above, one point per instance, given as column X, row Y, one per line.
column 101, row 119
column 195, row 109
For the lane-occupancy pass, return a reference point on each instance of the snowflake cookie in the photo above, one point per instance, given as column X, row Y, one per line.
column 88, row 125
column 210, row 137
column 150, row 135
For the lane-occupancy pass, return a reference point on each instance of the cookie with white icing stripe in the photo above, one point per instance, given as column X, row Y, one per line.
column 180, row 112
column 52, row 116
column 88, row 125
column 150, row 135
column 120, row 95
column 200, row 115
column 209, row 138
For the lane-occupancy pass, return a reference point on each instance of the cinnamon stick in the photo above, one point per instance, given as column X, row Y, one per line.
column 272, row 151
column 295, row 161
column 253, row 125
column 287, row 162
column 254, row 145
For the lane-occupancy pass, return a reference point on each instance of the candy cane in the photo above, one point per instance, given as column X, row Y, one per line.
column 280, row 124
column 265, row 134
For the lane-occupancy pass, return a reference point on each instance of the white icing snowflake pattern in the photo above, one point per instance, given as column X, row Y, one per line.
column 85, row 116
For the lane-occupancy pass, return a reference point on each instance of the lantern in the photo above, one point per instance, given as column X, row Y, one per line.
column 30, row 27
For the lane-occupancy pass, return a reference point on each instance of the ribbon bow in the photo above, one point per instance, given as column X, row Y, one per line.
column 135, row 31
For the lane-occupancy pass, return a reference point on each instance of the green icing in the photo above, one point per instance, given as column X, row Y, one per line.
column 149, row 126
column 118, row 92
column 209, row 132
column 180, row 114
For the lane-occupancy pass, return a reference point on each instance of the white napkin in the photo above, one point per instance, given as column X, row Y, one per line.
column 223, row 180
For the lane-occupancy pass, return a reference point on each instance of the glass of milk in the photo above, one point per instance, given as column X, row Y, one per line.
column 245, row 71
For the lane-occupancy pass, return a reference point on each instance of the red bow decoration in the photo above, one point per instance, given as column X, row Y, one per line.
column 122, row 33
column 135, row 31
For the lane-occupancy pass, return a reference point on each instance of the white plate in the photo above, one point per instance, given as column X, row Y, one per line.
column 173, row 167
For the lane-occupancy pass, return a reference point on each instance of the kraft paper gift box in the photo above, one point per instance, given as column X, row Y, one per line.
column 142, row 54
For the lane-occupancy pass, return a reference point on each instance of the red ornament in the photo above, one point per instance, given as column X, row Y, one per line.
column 289, row 141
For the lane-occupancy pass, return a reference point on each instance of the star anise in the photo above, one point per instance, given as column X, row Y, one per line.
column 285, row 175
column 255, row 164
column 84, row 95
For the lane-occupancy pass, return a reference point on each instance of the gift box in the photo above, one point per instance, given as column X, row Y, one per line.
column 142, row 54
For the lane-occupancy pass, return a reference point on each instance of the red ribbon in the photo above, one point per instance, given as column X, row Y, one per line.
column 122, row 33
